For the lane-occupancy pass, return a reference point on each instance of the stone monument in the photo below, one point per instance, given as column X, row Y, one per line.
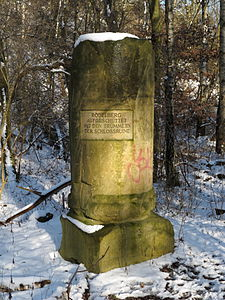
column 111, row 222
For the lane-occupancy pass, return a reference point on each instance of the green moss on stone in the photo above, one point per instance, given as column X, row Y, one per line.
column 117, row 245
column 113, row 208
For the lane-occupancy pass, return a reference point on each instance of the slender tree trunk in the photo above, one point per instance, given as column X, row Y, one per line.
column 7, row 162
column 171, row 174
column 154, row 9
column 220, row 125
column 110, row 16
column 200, row 127
column 96, row 13
column 55, row 7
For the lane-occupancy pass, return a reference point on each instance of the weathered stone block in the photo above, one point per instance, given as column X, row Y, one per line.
column 117, row 245
column 111, row 130
column 103, row 209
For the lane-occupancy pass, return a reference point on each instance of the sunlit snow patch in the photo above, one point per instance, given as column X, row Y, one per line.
column 104, row 36
column 82, row 226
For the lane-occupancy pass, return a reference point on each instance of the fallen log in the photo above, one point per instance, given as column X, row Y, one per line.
column 43, row 197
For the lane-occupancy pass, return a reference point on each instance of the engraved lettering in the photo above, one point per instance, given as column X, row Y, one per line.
column 106, row 125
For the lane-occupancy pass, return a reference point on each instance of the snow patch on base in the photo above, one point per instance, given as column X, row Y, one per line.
column 82, row 226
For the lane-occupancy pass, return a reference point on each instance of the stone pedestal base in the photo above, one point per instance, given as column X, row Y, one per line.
column 117, row 245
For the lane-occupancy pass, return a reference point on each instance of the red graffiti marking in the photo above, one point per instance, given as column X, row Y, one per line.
column 139, row 164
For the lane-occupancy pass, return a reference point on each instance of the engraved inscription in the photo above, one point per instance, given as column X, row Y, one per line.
column 106, row 125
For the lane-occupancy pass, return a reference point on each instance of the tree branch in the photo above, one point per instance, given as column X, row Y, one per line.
column 42, row 198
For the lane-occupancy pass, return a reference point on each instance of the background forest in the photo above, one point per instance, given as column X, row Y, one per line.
column 36, row 44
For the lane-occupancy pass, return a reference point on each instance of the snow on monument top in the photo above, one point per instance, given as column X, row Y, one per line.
column 103, row 36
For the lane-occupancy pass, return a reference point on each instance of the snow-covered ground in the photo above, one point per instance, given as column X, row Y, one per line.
column 31, row 267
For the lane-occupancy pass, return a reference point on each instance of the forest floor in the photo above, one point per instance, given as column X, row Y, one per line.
column 31, row 267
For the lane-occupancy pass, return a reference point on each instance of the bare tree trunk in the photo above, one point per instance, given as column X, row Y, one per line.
column 110, row 16
column 171, row 174
column 200, row 127
column 55, row 7
column 154, row 10
column 7, row 164
column 220, row 126
column 96, row 14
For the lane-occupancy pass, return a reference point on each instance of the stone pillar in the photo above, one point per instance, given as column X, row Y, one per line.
column 111, row 137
